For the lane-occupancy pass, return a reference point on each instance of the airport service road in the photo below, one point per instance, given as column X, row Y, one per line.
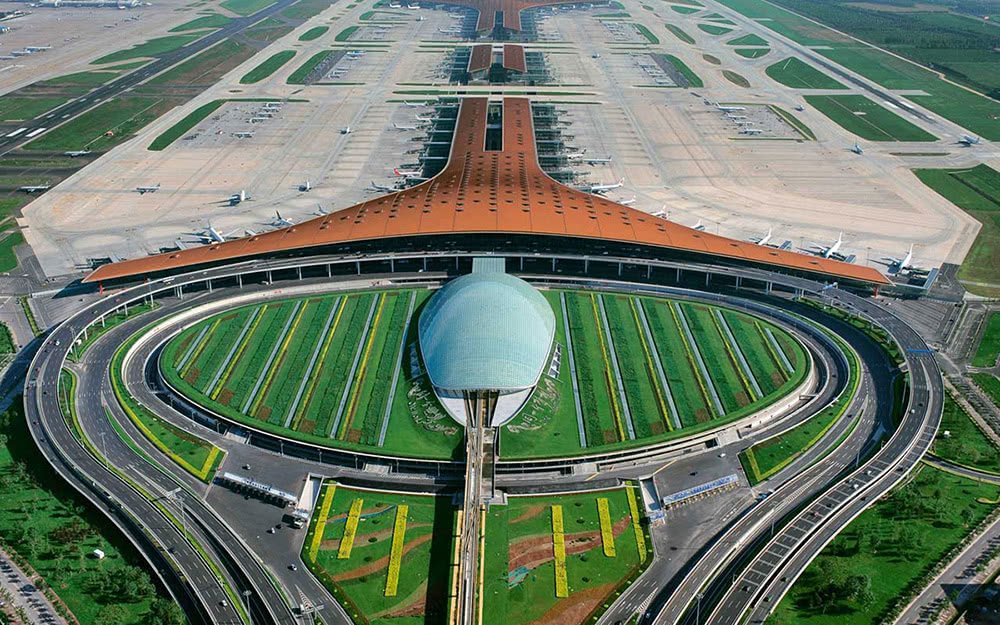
column 26, row 595
column 73, row 108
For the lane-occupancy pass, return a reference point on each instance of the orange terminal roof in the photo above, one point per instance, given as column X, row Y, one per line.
column 511, row 10
column 481, row 58
column 513, row 58
column 488, row 191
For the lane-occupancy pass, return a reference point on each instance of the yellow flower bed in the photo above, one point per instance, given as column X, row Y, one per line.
column 221, row 384
column 633, row 509
column 320, row 527
column 277, row 362
column 607, row 533
column 559, row 551
column 396, row 551
column 351, row 528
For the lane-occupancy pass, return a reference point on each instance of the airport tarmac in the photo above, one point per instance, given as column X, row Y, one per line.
column 676, row 151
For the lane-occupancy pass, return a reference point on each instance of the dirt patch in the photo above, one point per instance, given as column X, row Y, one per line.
column 264, row 414
column 574, row 610
column 414, row 605
column 225, row 397
column 353, row 436
column 528, row 513
column 192, row 376
column 701, row 415
column 531, row 552
column 377, row 565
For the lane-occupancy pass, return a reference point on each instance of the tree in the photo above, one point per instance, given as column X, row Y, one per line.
column 112, row 615
column 165, row 612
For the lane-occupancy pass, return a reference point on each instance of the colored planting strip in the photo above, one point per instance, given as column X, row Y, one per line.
column 190, row 350
column 399, row 368
column 350, row 530
column 396, row 551
column 325, row 347
column 226, row 365
column 608, row 346
column 572, row 370
column 780, row 352
column 652, row 369
column 607, row 532
column 633, row 510
column 559, row 551
column 704, row 380
column 335, row 430
column 269, row 380
column 206, row 338
column 731, row 356
column 647, row 337
column 740, row 357
column 359, row 379
column 325, row 336
column 242, row 343
column 270, row 359
column 320, row 527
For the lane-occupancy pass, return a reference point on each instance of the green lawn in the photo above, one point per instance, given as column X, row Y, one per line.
column 122, row 116
column 49, row 525
column 989, row 345
column 153, row 47
column 84, row 79
column 268, row 67
column 519, row 570
column 990, row 385
column 245, row 7
column 179, row 129
column 712, row 29
column 359, row 581
column 883, row 553
column 213, row 20
column 314, row 33
column 683, row 10
column 693, row 79
column 868, row 120
column 680, row 34
column 648, row 34
column 797, row 74
column 8, row 259
column 7, row 346
column 752, row 53
column 19, row 108
column 748, row 40
column 735, row 78
column 977, row 192
column 298, row 77
column 966, row 445
column 206, row 67
column 345, row 34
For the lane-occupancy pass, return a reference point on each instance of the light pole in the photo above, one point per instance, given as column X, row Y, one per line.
column 246, row 599
column 697, row 612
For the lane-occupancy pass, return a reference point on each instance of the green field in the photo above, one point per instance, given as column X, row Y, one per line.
column 966, row 444
column 752, row 53
column 8, row 259
column 49, row 525
column 178, row 130
column 749, row 40
column 18, row 108
column 245, row 7
column 268, row 67
column 868, row 120
column 990, row 385
column 989, row 345
column 122, row 116
column 519, row 576
column 977, row 192
column 298, row 77
column 977, row 113
column 330, row 370
column 797, row 74
column 206, row 67
column 693, row 79
column 213, row 20
column 359, row 581
column 684, row 10
column 680, row 34
column 153, row 47
column 314, row 33
column 712, row 29
column 880, row 557
column 735, row 78
column 648, row 34
column 345, row 34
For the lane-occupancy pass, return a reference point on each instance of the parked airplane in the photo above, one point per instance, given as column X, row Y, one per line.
column 379, row 187
column 700, row 227
column 764, row 240
column 969, row 140
column 346, row 130
column 407, row 173
column 236, row 198
column 751, row 131
column 904, row 264
column 735, row 117
column 425, row 119
column 597, row 161
column 281, row 222
column 413, row 6
column 75, row 153
column 306, row 186
column 601, row 188
column 628, row 202
column 857, row 149
column 145, row 190
column 398, row 127
column 210, row 235
column 34, row 188
column 320, row 211
column 414, row 104
column 575, row 156
column 729, row 109
column 831, row 251
column 799, row 107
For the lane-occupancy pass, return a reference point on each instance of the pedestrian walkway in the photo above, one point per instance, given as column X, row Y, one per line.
column 19, row 592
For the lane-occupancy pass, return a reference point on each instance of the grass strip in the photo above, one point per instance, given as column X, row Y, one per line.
column 607, row 532
column 216, row 383
column 350, row 529
column 282, row 350
column 680, row 34
column 320, row 524
column 241, row 347
column 633, row 510
column 179, row 129
column 396, row 551
column 794, row 122
column 648, row 34
column 345, row 34
column 695, row 361
column 612, row 392
column 205, row 339
column 352, row 405
column 299, row 410
column 989, row 345
column 298, row 77
column 559, row 551
column 736, row 356
column 268, row 67
column 656, row 378
column 30, row 315
column 314, row 33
